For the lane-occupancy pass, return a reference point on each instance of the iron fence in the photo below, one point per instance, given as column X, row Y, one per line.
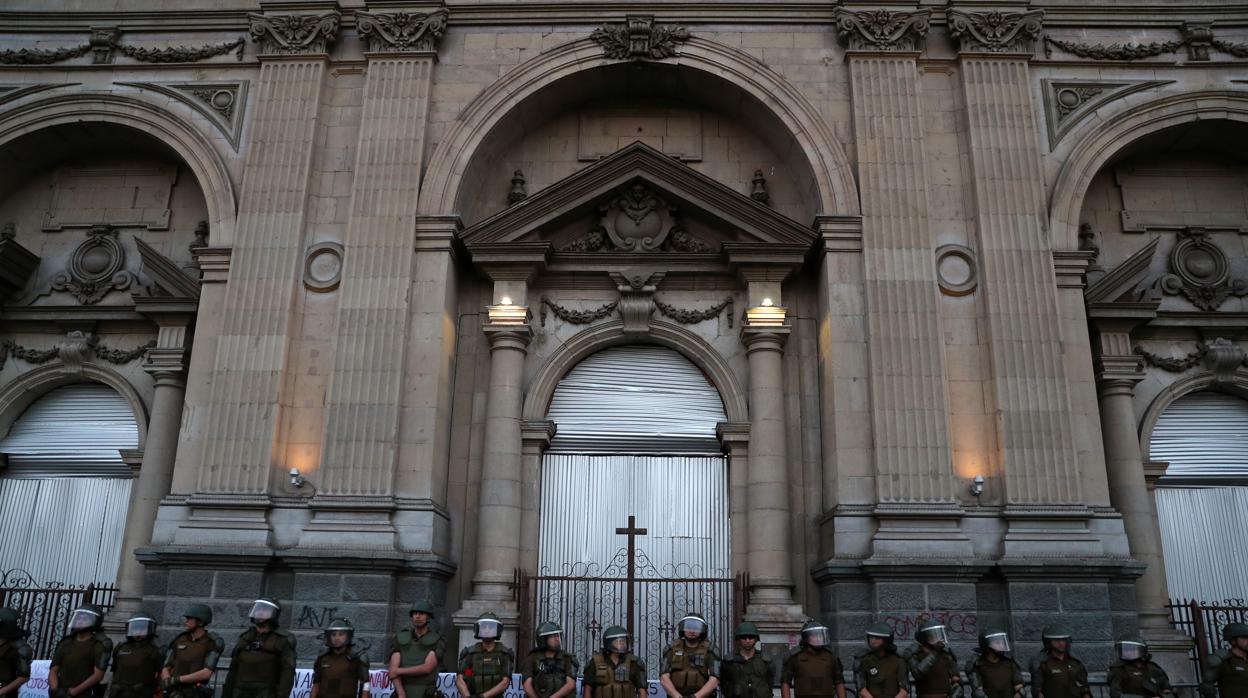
column 44, row 608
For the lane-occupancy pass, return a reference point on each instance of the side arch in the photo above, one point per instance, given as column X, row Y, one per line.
column 1101, row 140
column 195, row 149
column 19, row 394
column 838, row 192
column 1179, row 388
column 610, row 334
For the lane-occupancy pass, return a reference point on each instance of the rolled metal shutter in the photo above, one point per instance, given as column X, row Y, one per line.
column 73, row 431
column 636, row 399
column 1203, row 543
column 1204, row 437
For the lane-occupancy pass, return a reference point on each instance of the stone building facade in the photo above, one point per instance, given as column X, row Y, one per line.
column 909, row 246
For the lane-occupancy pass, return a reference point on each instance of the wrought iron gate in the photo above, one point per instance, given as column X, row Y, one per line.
column 44, row 609
column 586, row 599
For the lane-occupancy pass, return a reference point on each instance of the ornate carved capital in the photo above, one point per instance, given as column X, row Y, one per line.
column 764, row 339
column 882, row 30
column 516, row 337
column 103, row 40
column 294, row 34
column 996, row 32
column 639, row 38
column 402, row 32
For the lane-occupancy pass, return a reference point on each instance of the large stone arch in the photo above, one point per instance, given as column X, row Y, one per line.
column 1103, row 139
column 195, row 149
column 610, row 334
column 1184, row 386
column 23, row 391
column 833, row 175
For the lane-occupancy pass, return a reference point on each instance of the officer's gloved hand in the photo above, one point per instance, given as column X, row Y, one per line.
column 169, row 682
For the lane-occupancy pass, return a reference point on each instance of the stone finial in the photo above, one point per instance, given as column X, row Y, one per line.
column 758, row 191
column 882, row 30
column 294, row 34
column 402, row 31
column 519, row 189
column 996, row 32
column 639, row 38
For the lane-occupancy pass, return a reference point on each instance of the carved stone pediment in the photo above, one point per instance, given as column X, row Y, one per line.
column 639, row 202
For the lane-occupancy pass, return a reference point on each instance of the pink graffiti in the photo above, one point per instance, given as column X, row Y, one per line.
column 962, row 625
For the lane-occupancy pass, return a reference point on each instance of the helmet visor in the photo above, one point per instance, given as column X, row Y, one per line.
column 337, row 637
column 140, row 628
column 616, row 643
column 262, row 611
column 1129, row 651
column 691, row 624
column 816, row 636
column 82, row 619
column 489, row 629
column 934, row 635
column 998, row 642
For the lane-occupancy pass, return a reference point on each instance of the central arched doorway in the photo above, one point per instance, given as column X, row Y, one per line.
column 635, row 436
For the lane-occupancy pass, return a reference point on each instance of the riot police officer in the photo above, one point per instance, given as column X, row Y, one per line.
column 615, row 672
column 813, row 670
column 340, row 671
column 993, row 673
column 15, row 654
column 191, row 659
column 415, row 655
column 1055, row 673
column 690, row 665
column 263, row 661
column 485, row 667
column 82, row 656
column 748, row 673
column 549, row 672
column 880, row 673
column 1135, row 674
column 932, row 664
column 137, row 661
column 1226, row 671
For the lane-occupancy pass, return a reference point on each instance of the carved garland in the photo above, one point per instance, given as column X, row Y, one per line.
column 689, row 317
column 639, row 38
column 575, row 317
column 1221, row 356
column 177, row 54
column 38, row 56
column 78, row 344
column 1197, row 37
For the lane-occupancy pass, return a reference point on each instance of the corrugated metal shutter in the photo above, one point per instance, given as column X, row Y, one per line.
column 73, row 431
column 682, row 501
column 636, row 400
column 65, row 529
column 1203, row 543
column 1203, row 435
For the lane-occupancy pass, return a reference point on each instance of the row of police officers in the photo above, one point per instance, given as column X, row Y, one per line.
column 263, row 663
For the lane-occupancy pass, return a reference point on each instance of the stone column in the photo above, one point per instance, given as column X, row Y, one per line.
column 770, row 552
column 735, row 439
column 365, row 398
column 165, row 363
column 241, row 415
column 1044, row 506
column 536, row 435
column 916, row 508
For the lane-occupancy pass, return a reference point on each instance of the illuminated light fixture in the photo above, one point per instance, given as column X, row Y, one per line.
column 977, row 485
column 765, row 315
column 506, row 313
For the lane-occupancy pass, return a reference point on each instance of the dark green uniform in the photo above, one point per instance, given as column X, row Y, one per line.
column 690, row 668
column 75, row 660
column 413, row 649
column 14, row 661
column 1225, row 673
column 884, row 675
column 136, row 669
column 262, row 666
column 609, row 679
column 482, row 669
column 935, row 671
column 1058, row 678
column 813, row 672
column 746, row 678
column 1137, row 679
column 339, row 674
column 187, row 655
column 549, row 674
column 993, row 679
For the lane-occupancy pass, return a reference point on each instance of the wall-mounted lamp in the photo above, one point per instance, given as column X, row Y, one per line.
column 296, row 480
column 977, row 485
column 765, row 315
column 507, row 313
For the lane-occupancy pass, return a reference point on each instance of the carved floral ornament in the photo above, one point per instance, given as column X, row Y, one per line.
column 1200, row 271
column 1221, row 357
column 882, row 30
column 996, row 32
column 1197, row 37
column 639, row 38
column 103, row 41
column 76, row 348
column 402, row 31
column 96, row 267
column 294, row 34
column 637, row 220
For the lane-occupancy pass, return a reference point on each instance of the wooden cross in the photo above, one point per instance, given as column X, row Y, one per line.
column 632, row 532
